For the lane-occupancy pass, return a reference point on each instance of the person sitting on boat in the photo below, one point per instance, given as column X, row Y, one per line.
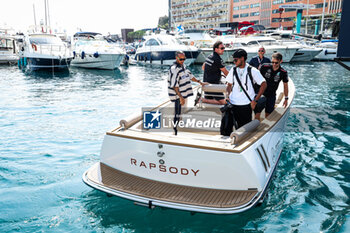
column 213, row 66
column 259, row 60
column 273, row 74
column 240, row 88
column 179, row 85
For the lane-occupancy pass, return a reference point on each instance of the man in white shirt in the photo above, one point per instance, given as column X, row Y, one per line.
column 240, row 88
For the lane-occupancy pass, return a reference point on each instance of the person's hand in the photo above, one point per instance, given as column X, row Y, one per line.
column 253, row 104
column 182, row 100
column 204, row 83
column 285, row 103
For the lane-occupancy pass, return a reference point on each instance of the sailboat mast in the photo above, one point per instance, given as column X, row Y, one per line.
column 34, row 15
column 324, row 5
column 45, row 13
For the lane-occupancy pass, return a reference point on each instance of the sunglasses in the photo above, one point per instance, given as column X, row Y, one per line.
column 261, row 50
column 275, row 62
column 235, row 59
column 182, row 59
column 222, row 48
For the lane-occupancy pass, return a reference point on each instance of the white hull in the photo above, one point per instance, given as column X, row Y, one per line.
column 195, row 160
column 304, row 54
column 326, row 55
column 8, row 58
column 103, row 61
column 188, row 61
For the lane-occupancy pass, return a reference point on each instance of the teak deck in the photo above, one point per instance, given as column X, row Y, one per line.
column 155, row 190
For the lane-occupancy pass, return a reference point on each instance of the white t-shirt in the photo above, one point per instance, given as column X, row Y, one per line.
column 237, row 96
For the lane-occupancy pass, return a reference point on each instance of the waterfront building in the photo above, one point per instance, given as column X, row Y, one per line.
column 199, row 14
column 267, row 13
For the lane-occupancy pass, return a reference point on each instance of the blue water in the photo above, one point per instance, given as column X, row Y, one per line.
column 51, row 131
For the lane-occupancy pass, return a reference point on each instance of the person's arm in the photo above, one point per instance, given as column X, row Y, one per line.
column 203, row 66
column 224, row 70
column 182, row 100
column 285, row 86
column 259, row 79
column 198, row 81
column 262, row 89
column 228, row 89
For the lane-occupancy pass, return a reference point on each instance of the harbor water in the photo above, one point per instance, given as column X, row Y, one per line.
column 52, row 127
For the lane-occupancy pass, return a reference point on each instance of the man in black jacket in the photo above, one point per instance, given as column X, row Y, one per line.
column 213, row 67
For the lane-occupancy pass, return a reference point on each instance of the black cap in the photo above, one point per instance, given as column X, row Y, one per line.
column 240, row 53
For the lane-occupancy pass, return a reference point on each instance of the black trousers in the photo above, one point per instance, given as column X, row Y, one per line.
column 242, row 114
column 177, row 114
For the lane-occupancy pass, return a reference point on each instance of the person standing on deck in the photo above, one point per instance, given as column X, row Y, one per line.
column 240, row 88
column 273, row 74
column 259, row 60
column 213, row 66
column 179, row 85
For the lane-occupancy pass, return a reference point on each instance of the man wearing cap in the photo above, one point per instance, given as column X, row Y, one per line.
column 259, row 60
column 212, row 73
column 240, row 88
column 179, row 85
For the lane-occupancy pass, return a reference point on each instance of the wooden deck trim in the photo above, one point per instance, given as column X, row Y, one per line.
column 161, row 191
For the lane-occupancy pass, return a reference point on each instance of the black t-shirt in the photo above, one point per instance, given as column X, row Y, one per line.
column 212, row 72
column 273, row 78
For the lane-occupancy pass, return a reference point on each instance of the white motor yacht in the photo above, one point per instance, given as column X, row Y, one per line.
column 8, row 49
column 160, row 49
column 329, row 50
column 91, row 50
column 304, row 52
column 252, row 44
column 43, row 51
column 196, row 170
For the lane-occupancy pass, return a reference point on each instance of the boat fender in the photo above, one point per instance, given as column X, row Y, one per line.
column 34, row 47
column 96, row 55
column 82, row 55
column 243, row 131
column 192, row 43
column 325, row 52
column 74, row 54
column 25, row 62
column 126, row 123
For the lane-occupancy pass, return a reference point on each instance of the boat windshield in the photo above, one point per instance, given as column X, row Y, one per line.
column 169, row 41
column 45, row 40
column 6, row 44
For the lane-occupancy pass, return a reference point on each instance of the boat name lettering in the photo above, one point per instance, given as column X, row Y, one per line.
column 163, row 168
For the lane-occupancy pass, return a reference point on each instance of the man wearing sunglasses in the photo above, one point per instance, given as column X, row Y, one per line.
column 240, row 88
column 273, row 74
column 179, row 85
column 259, row 60
column 213, row 67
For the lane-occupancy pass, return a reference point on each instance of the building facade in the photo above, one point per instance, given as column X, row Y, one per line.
column 199, row 14
column 267, row 12
column 207, row 14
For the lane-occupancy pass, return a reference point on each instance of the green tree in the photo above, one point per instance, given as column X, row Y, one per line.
column 163, row 22
column 136, row 35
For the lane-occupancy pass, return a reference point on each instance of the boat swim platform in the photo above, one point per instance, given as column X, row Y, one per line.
column 112, row 181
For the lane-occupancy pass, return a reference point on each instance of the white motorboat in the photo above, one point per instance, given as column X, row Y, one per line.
column 252, row 44
column 197, row 170
column 91, row 50
column 43, row 51
column 160, row 49
column 8, row 49
column 329, row 50
column 304, row 52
